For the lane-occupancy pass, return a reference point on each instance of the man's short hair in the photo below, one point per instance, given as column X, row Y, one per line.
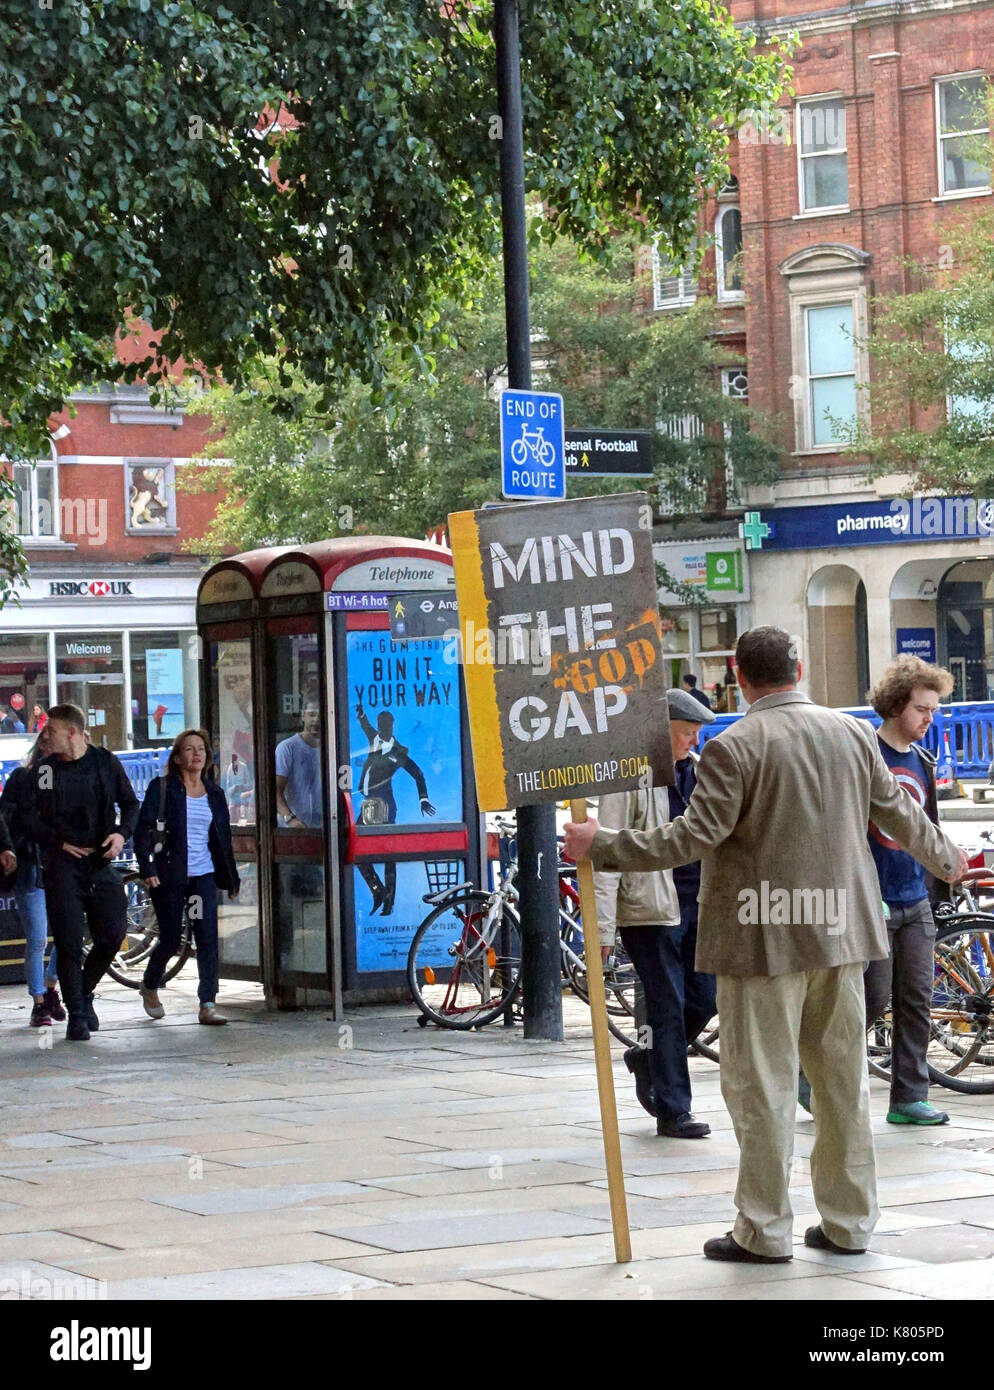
column 892, row 692
column 767, row 657
column 69, row 714
column 688, row 679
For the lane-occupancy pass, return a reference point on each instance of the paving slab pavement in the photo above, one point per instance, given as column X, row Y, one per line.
column 291, row 1157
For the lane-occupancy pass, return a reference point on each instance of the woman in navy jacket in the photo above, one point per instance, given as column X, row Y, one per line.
column 185, row 855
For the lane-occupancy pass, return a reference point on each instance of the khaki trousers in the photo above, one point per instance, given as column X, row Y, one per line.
column 767, row 1025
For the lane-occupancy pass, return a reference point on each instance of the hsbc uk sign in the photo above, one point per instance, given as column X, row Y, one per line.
column 90, row 588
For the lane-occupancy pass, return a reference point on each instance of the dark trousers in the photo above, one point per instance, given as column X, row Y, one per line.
column 906, row 978
column 81, row 895
column 199, row 896
column 678, row 1003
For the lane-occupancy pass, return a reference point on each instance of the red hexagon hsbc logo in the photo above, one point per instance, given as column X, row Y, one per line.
column 99, row 588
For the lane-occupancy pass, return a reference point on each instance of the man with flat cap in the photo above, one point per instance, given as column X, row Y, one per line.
column 656, row 915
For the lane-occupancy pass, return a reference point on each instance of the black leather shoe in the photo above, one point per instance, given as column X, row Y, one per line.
column 684, row 1126
column 637, row 1062
column 90, row 1014
column 77, row 1029
column 726, row 1248
column 816, row 1239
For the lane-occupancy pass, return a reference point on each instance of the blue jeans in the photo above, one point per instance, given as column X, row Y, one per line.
column 30, row 900
column 200, row 894
column 679, row 1001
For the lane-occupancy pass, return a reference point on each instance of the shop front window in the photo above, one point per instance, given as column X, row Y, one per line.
column 24, row 695
column 719, row 629
column 90, row 674
column 966, row 616
column 676, row 644
column 164, row 695
column 231, row 677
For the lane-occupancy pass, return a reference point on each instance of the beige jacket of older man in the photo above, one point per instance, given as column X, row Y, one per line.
column 779, row 820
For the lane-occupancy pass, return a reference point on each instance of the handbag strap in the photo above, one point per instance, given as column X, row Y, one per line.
column 160, row 819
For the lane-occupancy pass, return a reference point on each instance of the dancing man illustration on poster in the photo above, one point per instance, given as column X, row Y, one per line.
column 379, row 807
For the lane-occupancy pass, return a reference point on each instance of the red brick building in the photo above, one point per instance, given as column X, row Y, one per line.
column 106, row 618
column 870, row 162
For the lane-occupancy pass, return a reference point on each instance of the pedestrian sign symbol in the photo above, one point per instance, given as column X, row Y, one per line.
column 532, row 449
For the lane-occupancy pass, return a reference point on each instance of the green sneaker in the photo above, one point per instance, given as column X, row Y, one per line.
column 916, row 1112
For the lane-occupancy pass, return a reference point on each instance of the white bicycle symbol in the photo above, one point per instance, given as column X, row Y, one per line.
column 534, row 442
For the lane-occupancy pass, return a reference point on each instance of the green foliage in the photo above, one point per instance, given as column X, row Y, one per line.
column 301, row 473
column 931, row 401
column 134, row 180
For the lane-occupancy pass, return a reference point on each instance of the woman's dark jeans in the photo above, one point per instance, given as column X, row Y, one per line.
column 200, row 896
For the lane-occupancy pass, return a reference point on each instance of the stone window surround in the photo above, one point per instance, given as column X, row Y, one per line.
column 816, row 276
column 170, row 527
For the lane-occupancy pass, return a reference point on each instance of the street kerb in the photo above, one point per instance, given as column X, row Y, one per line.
column 562, row 651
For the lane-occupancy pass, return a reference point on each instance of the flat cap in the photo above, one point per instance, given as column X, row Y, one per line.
column 682, row 705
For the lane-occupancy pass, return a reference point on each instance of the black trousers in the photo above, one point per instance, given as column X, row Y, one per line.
column 82, row 895
column 679, row 1001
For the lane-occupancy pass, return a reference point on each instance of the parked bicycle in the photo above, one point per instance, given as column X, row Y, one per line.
column 961, row 1043
column 464, row 963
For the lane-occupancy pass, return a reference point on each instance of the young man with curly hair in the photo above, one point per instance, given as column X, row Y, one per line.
column 906, row 697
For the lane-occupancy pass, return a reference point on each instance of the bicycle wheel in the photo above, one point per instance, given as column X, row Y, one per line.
column 706, row 1042
column 961, row 1043
column 464, row 965
column 878, row 1047
column 128, row 966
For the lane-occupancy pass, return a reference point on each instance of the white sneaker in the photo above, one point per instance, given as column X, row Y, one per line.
column 209, row 1014
column 150, row 999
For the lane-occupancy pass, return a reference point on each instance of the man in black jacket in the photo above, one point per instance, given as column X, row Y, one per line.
column 690, row 686
column 83, row 810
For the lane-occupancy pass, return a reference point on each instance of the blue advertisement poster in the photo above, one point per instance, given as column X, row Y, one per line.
column 384, row 930
column 164, row 677
column 405, row 741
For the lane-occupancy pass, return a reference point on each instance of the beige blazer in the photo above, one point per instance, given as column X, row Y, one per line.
column 630, row 900
column 779, row 820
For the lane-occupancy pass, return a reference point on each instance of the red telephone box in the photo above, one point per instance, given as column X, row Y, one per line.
column 345, row 758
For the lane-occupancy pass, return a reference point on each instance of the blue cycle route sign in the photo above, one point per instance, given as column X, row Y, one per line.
column 532, row 445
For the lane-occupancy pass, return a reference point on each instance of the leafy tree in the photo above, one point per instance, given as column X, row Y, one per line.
column 931, row 397
column 136, row 175
column 302, row 473
column 930, row 404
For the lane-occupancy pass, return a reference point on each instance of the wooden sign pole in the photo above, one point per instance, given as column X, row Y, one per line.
column 602, row 1049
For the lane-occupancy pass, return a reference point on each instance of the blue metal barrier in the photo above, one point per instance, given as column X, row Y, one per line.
column 961, row 735
column 142, row 766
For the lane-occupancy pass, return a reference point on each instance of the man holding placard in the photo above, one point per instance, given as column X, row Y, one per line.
column 789, row 912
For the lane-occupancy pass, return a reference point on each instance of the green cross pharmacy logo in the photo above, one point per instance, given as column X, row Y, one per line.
column 754, row 531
